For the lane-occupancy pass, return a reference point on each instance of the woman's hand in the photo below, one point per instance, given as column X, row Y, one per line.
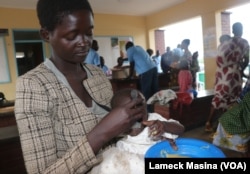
column 119, row 120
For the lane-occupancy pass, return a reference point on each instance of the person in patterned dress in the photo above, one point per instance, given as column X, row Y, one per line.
column 232, row 59
column 233, row 130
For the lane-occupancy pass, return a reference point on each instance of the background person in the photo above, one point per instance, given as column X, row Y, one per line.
column 104, row 67
column 228, row 76
column 194, row 68
column 119, row 63
column 187, row 55
column 144, row 66
column 157, row 60
column 93, row 56
column 166, row 60
column 185, row 78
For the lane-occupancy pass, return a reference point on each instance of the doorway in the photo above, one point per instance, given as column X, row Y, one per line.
column 28, row 50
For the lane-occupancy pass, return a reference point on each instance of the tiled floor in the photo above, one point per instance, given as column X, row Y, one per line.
column 199, row 133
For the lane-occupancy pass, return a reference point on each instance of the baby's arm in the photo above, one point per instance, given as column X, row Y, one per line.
column 159, row 125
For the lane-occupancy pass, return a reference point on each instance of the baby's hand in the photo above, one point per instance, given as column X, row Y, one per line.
column 156, row 128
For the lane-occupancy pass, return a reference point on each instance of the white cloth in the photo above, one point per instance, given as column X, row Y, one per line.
column 163, row 97
column 128, row 155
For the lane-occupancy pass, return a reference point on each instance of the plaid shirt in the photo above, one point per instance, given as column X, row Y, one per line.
column 53, row 122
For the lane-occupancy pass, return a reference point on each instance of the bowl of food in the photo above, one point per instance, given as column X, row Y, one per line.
column 186, row 148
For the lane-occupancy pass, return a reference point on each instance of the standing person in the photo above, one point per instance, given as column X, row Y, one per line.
column 166, row 60
column 61, row 106
column 184, row 77
column 144, row 67
column 177, row 54
column 157, row 60
column 187, row 53
column 194, row 68
column 232, row 59
column 93, row 56
column 223, row 38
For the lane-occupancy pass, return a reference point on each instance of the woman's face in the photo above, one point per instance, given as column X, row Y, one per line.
column 72, row 38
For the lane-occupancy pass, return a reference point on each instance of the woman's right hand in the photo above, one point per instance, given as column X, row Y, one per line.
column 119, row 120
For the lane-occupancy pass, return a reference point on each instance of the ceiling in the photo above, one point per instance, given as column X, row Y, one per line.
column 119, row 7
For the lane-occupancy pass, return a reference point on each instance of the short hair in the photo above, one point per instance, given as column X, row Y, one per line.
column 150, row 51
column 95, row 45
column 51, row 12
column 237, row 28
column 195, row 55
column 186, row 41
column 224, row 38
column 119, row 59
column 129, row 44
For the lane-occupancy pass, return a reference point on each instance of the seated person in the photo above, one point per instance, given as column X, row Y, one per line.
column 233, row 130
column 119, row 63
column 128, row 154
column 104, row 67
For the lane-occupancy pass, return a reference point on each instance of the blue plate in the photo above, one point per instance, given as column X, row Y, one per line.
column 187, row 147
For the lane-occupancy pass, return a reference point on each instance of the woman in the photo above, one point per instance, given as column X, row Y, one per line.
column 232, row 59
column 62, row 105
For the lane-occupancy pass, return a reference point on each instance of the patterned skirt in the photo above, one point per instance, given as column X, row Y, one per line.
column 236, row 142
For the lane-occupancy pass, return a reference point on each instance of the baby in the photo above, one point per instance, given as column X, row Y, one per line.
column 128, row 154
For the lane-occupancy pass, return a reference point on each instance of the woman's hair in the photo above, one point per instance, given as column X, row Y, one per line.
column 51, row 12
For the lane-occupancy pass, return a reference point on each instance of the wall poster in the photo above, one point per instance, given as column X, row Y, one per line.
column 112, row 47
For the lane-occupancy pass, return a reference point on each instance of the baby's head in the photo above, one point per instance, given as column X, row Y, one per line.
column 125, row 96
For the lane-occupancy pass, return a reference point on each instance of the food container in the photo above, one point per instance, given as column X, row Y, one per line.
column 120, row 73
column 187, row 148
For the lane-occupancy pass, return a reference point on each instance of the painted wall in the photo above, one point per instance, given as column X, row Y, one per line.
column 140, row 28
column 105, row 25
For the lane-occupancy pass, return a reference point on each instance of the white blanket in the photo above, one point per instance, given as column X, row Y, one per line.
column 128, row 155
